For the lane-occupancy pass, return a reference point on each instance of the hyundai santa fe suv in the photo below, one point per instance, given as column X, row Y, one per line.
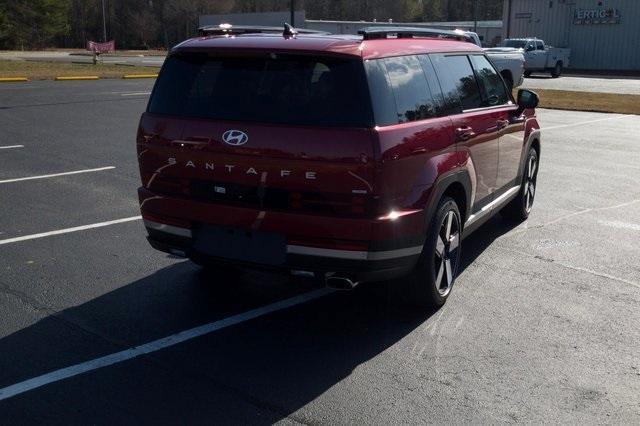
column 356, row 158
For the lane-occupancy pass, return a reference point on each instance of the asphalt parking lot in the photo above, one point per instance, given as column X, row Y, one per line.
column 542, row 326
column 577, row 83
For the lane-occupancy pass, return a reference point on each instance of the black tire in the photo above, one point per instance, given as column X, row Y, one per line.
column 430, row 283
column 557, row 70
column 527, row 73
column 519, row 208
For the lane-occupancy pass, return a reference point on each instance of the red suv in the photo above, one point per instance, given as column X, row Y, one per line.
column 357, row 158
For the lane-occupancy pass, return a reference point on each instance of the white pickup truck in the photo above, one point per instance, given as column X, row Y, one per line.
column 540, row 57
column 509, row 62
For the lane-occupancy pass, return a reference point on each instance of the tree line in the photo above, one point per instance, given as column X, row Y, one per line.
column 143, row 24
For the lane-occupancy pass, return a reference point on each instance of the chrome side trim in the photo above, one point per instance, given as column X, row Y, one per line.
column 354, row 255
column 169, row 229
column 497, row 202
column 489, row 108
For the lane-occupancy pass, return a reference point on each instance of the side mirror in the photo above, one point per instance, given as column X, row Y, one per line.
column 526, row 100
column 530, row 48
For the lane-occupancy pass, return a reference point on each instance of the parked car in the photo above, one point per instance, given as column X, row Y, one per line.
column 354, row 158
column 539, row 57
column 509, row 62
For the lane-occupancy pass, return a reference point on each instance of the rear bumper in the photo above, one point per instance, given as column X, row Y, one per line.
column 361, row 265
column 368, row 250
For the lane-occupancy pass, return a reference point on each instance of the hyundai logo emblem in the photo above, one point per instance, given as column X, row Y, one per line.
column 235, row 137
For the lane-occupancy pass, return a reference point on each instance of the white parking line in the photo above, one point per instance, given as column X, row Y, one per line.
column 68, row 230
column 57, row 174
column 156, row 345
column 561, row 126
column 135, row 94
column 11, row 146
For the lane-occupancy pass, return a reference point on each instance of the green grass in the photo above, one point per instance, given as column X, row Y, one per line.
column 49, row 70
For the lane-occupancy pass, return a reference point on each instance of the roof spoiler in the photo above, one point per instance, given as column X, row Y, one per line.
column 372, row 33
column 229, row 30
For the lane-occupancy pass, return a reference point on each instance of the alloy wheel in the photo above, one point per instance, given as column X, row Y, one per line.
column 530, row 183
column 446, row 254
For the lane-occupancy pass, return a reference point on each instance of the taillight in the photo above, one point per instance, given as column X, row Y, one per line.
column 170, row 185
column 334, row 204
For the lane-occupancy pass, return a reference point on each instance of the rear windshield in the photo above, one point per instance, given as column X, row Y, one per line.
column 284, row 89
column 518, row 44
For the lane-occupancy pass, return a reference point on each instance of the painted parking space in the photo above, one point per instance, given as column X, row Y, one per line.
column 531, row 327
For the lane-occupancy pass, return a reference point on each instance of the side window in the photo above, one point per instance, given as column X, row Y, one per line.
column 382, row 100
column 459, row 85
column 539, row 45
column 491, row 85
column 413, row 96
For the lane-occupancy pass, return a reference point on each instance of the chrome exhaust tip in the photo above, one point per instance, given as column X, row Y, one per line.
column 341, row 283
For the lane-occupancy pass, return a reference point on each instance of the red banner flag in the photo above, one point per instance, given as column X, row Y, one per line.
column 109, row 46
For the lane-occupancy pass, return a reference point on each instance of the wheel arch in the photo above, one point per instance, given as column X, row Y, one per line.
column 533, row 141
column 456, row 185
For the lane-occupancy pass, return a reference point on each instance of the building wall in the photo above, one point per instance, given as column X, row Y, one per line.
column 593, row 46
column 490, row 32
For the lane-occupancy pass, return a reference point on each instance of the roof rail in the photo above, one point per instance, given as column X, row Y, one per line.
column 372, row 33
column 228, row 29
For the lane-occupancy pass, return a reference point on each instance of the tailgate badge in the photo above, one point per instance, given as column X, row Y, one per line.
column 235, row 137
column 220, row 189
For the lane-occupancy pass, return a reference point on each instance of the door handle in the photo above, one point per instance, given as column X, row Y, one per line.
column 465, row 133
column 501, row 124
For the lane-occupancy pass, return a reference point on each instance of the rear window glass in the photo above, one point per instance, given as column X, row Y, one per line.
column 285, row 89
column 518, row 44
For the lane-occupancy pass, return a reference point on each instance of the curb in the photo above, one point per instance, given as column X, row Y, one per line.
column 12, row 79
column 84, row 77
column 131, row 76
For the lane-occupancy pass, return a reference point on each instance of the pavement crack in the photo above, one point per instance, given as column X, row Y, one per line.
column 52, row 314
column 25, row 300
column 570, row 215
column 568, row 266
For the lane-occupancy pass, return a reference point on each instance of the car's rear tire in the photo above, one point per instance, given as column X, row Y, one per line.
column 557, row 70
column 430, row 283
column 519, row 208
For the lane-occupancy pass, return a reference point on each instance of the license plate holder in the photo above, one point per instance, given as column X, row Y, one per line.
column 238, row 244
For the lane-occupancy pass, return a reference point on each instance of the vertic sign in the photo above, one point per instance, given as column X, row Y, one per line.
column 596, row 16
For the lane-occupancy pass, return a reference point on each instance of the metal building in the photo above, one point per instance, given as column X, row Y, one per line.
column 602, row 34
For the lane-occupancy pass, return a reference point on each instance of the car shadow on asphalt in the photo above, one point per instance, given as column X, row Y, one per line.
column 275, row 365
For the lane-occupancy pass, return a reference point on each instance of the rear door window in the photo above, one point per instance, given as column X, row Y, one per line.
column 414, row 100
column 458, row 82
column 539, row 45
column 491, row 86
column 273, row 88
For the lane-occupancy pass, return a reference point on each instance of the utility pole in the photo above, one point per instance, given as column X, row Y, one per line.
column 475, row 16
column 104, row 24
column 293, row 13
